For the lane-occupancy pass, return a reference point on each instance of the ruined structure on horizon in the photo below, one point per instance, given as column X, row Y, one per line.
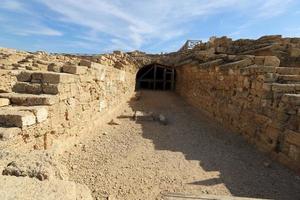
column 250, row 86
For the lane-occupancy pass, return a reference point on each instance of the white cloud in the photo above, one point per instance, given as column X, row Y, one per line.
column 36, row 30
column 132, row 24
column 26, row 22
column 135, row 23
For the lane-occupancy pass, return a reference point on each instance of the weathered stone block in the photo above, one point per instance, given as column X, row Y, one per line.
column 30, row 88
column 288, row 70
column 16, row 118
column 292, row 137
column 4, row 102
column 73, row 69
column 30, row 99
column 24, row 76
column 86, row 63
column 54, row 67
column 284, row 88
column 272, row 61
column 295, row 52
column 293, row 99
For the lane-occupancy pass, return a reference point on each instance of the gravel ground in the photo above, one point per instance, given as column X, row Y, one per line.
column 192, row 154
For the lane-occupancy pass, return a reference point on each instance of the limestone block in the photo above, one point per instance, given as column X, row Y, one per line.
column 11, row 118
column 73, row 69
column 30, row 88
column 86, row 63
column 236, row 65
column 293, row 99
column 272, row 61
column 54, row 67
column 4, row 102
column 24, row 76
column 54, row 78
column 52, row 88
column 8, row 133
column 41, row 113
column 288, row 70
column 143, row 116
column 292, row 137
column 295, row 52
column 30, row 99
column 284, row 88
column 259, row 60
column 42, row 62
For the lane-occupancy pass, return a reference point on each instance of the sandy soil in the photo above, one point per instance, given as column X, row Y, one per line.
column 192, row 154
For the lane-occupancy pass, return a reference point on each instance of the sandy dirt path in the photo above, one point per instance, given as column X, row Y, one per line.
column 192, row 154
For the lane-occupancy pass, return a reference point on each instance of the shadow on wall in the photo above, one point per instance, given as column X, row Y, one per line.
column 243, row 170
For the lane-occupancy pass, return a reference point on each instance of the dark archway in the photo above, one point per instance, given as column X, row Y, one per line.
column 156, row 77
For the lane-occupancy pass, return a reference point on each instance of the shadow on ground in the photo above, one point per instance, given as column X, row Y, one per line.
column 242, row 168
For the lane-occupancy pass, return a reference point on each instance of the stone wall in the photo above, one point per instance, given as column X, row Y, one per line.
column 251, row 95
column 66, row 103
column 7, row 80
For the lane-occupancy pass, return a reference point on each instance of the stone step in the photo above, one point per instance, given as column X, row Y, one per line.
column 45, row 77
column 21, row 116
column 40, row 112
column 74, row 69
column 289, row 79
column 288, row 70
column 9, row 133
column 30, row 99
column 285, row 88
column 36, row 88
column 293, row 99
column 11, row 118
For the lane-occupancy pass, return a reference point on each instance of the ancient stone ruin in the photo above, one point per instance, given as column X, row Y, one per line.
column 49, row 101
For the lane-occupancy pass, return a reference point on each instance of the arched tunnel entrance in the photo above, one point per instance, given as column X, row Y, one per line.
column 156, row 77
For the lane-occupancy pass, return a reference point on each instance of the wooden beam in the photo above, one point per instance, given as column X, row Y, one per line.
column 145, row 73
column 165, row 77
column 154, row 78
column 173, row 79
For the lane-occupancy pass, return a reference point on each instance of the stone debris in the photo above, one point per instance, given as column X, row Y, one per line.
column 162, row 119
column 143, row 116
column 113, row 122
column 41, row 166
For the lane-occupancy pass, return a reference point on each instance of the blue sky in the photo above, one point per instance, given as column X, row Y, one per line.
column 98, row 26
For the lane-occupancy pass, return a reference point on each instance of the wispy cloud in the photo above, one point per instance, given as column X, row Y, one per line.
column 136, row 24
column 29, row 24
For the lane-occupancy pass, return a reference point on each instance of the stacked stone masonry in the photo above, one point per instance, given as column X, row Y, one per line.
column 61, row 98
column 253, row 96
column 250, row 86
